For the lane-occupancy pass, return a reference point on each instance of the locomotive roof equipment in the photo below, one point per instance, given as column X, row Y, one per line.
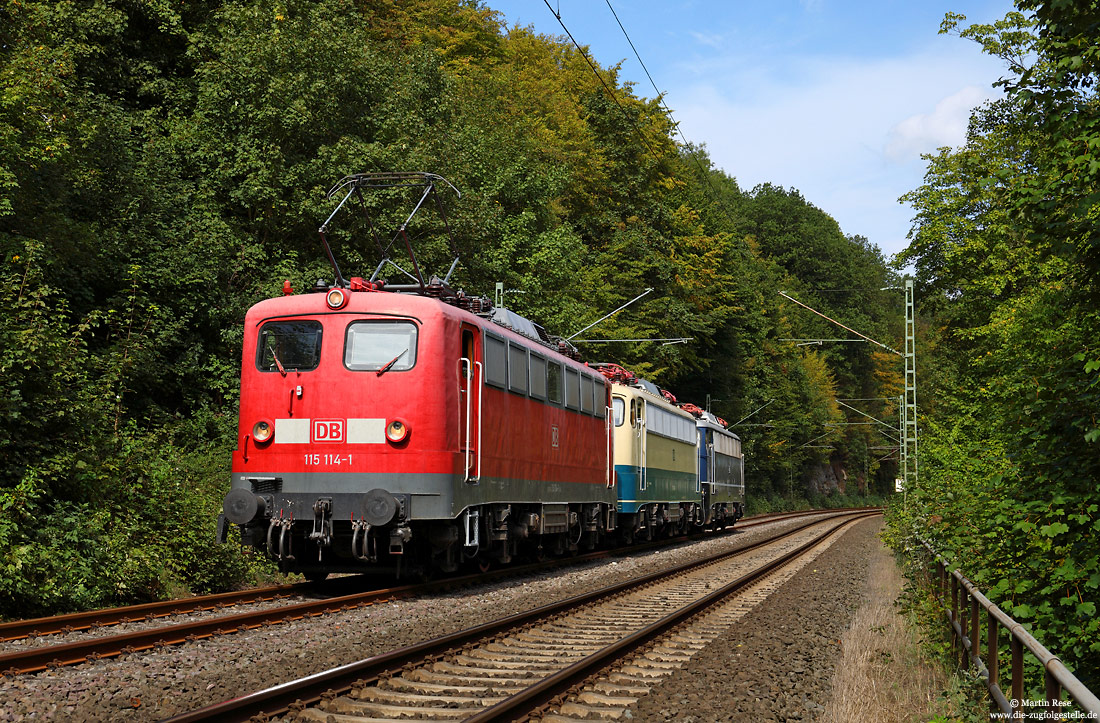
column 354, row 184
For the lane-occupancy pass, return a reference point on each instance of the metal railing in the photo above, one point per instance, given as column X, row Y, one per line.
column 963, row 610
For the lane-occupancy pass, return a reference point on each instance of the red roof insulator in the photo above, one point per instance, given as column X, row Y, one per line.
column 692, row 409
column 668, row 396
column 615, row 373
column 723, row 422
column 287, row 290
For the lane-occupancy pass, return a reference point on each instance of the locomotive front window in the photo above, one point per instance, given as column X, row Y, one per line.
column 619, row 405
column 289, row 346
column 380, row 346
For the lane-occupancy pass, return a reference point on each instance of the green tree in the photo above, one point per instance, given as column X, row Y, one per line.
column 1004, row 245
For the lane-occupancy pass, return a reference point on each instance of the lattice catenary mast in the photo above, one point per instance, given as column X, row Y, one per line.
column 909, row 401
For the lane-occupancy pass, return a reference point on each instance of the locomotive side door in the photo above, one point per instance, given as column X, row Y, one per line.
column 470, row 381
column 641, row 448
column 706, row 438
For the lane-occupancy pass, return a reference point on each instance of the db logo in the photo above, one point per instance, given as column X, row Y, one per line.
column 328, row 430
column 553, row 436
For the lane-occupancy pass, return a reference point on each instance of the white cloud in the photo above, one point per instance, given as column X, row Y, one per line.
column 846, row 132
column 710, row 40
column 945, row 126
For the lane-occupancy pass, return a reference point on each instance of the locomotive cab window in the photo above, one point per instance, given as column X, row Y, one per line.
column 619, row 405
column 380, row 345
column 289, row 346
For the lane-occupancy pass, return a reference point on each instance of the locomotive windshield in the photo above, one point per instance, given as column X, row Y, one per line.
column 289, row 345
column 380, row 345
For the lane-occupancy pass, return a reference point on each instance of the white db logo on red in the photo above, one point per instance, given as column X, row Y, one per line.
column 328, row 430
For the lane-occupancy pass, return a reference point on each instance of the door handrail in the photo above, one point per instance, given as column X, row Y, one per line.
column 469, row 367
column 608, row 428
column 480, row 388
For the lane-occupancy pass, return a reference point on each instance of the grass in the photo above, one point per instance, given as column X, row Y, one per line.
column 882, row 675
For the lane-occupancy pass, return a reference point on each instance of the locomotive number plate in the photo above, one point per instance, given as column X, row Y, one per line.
column 331, row 459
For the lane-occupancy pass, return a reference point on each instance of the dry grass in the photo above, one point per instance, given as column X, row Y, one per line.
column 881, row 676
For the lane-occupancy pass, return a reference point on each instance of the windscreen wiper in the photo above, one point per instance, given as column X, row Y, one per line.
column 278, row 364
column 393, row 361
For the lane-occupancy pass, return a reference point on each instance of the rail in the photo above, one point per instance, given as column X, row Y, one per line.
column 963, row 611
column 295, row 694
column 33, row 659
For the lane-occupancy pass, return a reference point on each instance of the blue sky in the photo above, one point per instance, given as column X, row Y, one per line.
column 837, row 98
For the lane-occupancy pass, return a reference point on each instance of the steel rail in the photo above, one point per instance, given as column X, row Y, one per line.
column 31, row 660
column 297, row 694
column 544, row 691
column 89, row 619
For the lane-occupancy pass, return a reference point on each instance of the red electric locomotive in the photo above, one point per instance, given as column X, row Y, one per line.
column 410, row 427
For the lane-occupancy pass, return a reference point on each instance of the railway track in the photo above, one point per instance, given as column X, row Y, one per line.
column 279, row 606
column 588, row 657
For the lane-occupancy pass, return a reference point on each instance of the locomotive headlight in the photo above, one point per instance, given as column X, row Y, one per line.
column 336, row 298
column 263, row 431
column 397, row 431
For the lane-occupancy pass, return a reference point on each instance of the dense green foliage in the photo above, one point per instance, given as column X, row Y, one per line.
column 163, row 167
column 1005, row 246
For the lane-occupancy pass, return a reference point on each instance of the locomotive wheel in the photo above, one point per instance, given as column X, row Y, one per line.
column 483, row 564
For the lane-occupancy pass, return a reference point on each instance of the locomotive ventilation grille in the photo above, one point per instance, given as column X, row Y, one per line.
column 266, row 485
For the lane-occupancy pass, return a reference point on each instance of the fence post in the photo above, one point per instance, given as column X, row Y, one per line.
column 956, row 644
column 1018, row 674
column 1053, row 690
column 992, row 656
column 964, row 626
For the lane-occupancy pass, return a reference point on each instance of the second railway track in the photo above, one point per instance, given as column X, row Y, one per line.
column 272, row 605
column 535, row 663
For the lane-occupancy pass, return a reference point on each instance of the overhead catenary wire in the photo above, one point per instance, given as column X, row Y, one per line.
column 671, row 339
column 603, row 82
column 842, row 326
column 705, row 174
column 865, row 414
column 705, row 177
column 742, row 419
column 605, row 316
column 708, row 183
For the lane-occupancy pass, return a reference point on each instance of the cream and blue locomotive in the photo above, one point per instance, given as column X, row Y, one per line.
column 676, row 466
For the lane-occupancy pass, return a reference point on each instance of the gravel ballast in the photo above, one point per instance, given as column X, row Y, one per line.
column 778, row 661
column 154, row 685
